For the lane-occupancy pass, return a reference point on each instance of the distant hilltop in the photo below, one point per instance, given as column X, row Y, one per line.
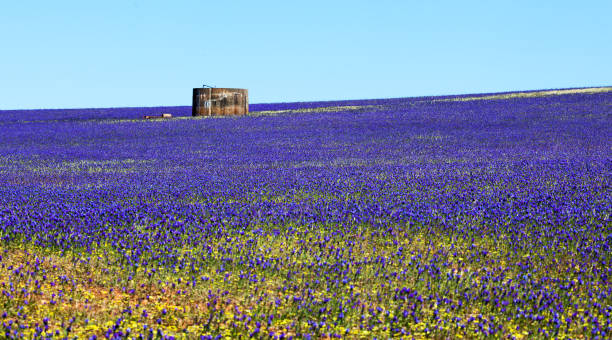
column 184, row 111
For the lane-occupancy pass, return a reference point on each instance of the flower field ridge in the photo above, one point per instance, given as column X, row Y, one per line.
column 393, row 218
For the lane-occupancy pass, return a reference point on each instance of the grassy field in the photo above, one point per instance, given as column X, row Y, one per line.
column 468, row 217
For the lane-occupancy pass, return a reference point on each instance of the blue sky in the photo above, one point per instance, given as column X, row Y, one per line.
column 65, row 54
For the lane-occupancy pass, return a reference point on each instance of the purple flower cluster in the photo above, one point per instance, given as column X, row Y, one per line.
column 399, row 217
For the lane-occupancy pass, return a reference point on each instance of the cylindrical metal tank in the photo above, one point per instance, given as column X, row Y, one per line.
column 220, row 102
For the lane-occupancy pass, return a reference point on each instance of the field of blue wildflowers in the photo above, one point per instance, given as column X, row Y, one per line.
column 431, row 217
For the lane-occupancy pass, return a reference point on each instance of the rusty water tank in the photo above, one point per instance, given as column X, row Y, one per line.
column 220, row 102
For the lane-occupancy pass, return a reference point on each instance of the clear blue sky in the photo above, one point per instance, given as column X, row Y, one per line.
column 60, row 54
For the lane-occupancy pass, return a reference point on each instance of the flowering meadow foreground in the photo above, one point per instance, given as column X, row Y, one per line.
column 434, row 217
